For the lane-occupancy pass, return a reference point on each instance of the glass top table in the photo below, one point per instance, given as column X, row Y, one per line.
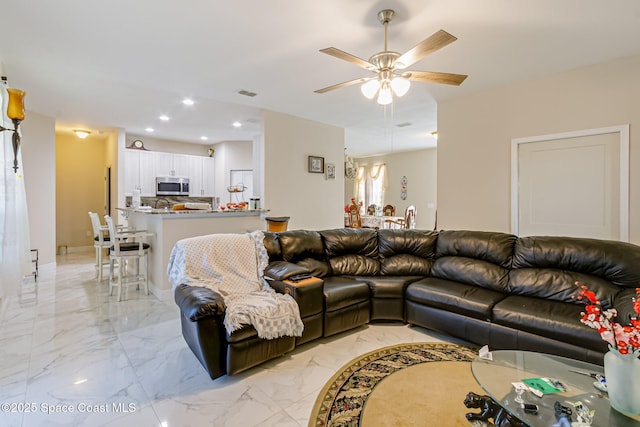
column 508, row 366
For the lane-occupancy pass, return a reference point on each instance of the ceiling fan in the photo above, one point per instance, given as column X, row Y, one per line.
column 389, row 66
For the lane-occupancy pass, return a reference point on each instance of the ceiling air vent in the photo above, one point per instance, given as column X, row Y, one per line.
column 247, row 93
column 403, row 125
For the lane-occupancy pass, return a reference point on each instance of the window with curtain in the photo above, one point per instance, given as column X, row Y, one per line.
column 378, row 186
column 371, row 184
column 359, row 185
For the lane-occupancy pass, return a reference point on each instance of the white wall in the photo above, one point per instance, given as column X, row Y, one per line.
column 39, row 158
column 420, row 168
column 309, row 199
column 475, row 134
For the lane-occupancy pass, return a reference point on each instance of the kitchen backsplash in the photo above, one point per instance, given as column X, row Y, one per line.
column 161, row 202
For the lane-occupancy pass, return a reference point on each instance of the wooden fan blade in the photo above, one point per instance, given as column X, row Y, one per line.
column 343, row 84
column 436, row 41
column 340, row 54
column 434, row 77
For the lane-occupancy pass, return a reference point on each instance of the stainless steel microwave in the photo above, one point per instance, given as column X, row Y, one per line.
column 172, row 186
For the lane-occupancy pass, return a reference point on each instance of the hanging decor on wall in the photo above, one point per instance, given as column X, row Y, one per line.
column 350, row 167
column 403, row 188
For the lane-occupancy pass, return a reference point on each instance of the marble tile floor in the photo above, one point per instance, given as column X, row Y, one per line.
column 71, row 355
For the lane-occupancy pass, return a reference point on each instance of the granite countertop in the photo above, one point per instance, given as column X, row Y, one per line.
column 190, row 212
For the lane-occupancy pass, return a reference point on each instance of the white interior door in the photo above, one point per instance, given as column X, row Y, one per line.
column 571, row 185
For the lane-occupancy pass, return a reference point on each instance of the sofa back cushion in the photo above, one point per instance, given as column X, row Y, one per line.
column 549, row 267
column 352, row 251
column 305, row 248
column 479, row 258
column 493, row 247
column 272, row 245
column 405, row 252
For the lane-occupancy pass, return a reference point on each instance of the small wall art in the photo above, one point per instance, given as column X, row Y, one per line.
column 403, row 188
column 316, row 164
column 331, row 171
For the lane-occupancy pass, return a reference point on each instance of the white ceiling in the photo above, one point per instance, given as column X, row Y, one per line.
column 122, row 63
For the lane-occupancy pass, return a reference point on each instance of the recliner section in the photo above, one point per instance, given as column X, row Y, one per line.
column 485, row 287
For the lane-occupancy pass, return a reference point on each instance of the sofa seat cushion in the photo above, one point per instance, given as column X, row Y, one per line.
column 341, row 292
column 456, row 297
column 553, row 319
column 389, row 286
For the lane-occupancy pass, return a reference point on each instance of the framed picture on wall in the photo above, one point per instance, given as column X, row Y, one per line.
column 331, row 171
column 316, row 164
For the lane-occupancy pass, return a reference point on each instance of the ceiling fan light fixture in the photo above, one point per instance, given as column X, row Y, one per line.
column 400, row 85
column 384, row 96
column 370, row 88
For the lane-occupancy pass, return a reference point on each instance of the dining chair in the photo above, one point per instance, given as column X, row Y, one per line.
column 389, row 210
column 125, row 248
column 410, row 217
column 101, row 241
column 409, row 220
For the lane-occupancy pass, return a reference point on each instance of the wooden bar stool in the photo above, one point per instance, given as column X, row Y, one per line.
column 277, row 223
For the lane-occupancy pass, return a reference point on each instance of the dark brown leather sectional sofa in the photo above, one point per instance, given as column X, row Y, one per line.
column 485, row 287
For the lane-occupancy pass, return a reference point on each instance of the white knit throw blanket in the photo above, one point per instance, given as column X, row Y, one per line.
column 233, row 266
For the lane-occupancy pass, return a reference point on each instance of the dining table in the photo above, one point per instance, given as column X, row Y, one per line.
column 377, row 221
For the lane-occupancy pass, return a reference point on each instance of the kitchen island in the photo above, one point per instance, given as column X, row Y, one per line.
column 166, row 227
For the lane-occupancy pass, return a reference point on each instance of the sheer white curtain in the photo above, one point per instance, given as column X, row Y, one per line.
column 15, row 255
column 379, row 184
column 359, row 191
column 371, row 184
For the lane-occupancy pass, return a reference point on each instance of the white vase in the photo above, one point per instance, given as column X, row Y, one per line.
column 622, row 372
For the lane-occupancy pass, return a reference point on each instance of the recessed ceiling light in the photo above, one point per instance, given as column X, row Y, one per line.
column 237, row 124
column 81, row 133
column 187, row 101
column 164, row 118
column 149, row 129
column 204, row 138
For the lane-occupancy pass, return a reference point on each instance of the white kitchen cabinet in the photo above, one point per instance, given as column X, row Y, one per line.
column 170, row 164
column 208, row 177
column 139, row 172
column 201, row 176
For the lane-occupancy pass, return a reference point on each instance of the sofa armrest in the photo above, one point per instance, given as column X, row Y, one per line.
column 197, row 302
column 623, row 303
column 308, row 293
column 282, row 270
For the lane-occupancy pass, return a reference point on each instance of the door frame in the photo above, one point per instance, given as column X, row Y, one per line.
column 622, row 130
